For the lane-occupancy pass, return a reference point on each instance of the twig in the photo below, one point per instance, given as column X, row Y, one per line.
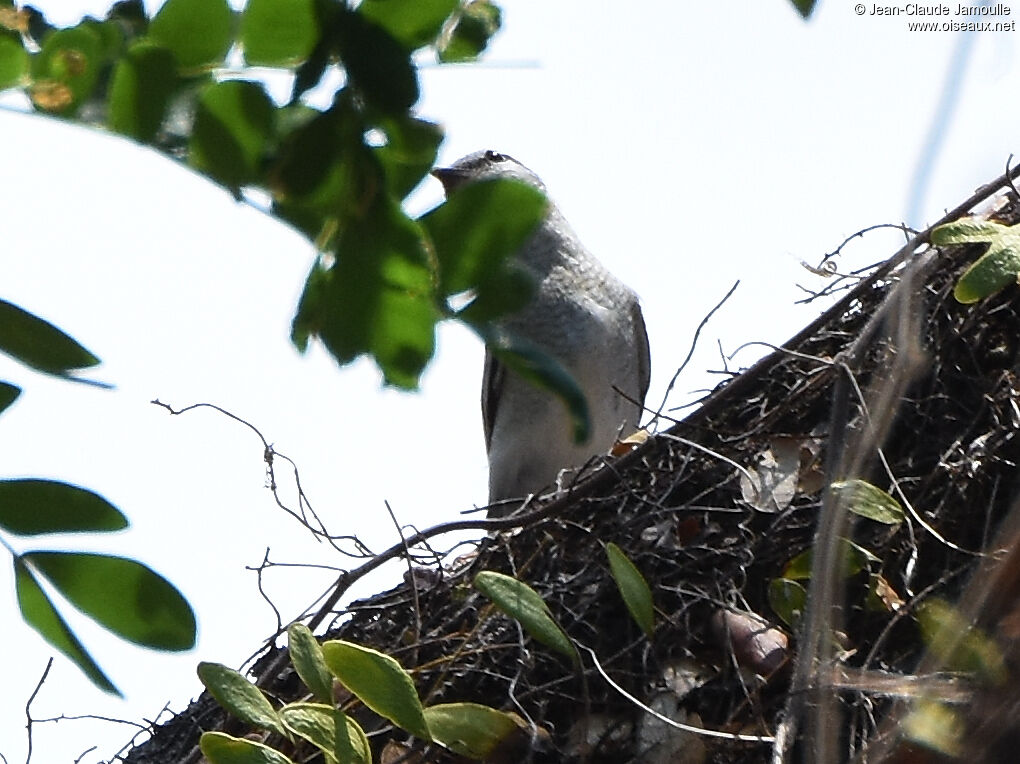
column 690, row 352
column 665, row 719
column 410, row 574
column 28, row 707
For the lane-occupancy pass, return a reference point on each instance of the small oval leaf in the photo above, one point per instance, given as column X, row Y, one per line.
column 122, row 595
column 542, row 370
column 29, row 507
column 13, row 60
column 240, row 697
column 380, row 683
column 221, row 748
column 958, row 644
column 39, row 613
column 377, row 64
column 233, row 125
column 479, row 20
column 306, row 655
column 66, row 70
column 143, row 82
column 866, row 500
column 479, row 226
column 414, row 23
column 410, row 151
column 38, row 343
column 278, row 33
column 995, row 270
column 330, row 730
column 967, row 231
column 470, row 729
column 198, row 32
column 8, row 394
column 523, row 604
column 633, row 588
column 855, row 559
column 788, row 599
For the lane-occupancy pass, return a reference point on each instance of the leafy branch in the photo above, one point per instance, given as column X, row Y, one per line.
column 122, row 595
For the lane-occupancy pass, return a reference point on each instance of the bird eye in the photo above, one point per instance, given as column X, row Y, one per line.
column 495, row 156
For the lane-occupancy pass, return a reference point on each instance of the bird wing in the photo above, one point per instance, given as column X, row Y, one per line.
column 492, row 387
column 644, row 354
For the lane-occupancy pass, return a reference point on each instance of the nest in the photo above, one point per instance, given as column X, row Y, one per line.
column 921, row 394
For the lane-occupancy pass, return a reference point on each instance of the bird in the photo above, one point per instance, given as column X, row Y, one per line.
column 582, row 316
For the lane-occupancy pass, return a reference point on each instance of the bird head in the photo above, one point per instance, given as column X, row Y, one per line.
column 484, row 165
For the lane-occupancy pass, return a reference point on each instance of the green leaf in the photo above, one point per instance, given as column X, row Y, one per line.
column 378, row 66
column 470, row 729
column 309, row 74
column 479, row 20
column 379, row 682
column 377, row 298
column 804, row 7
column 306, row 655
column 788, row 600
column 330, row 730
column 323, row 172
column 280, row 33
column 39, row 613
column 13, row 60
column 124, row 596
column 66, row 69
column 997, row 268
column 198, row 32
column 414, row 23
column 501, row 291
column 38, row 343
column 542, row 370
column 29, row 507
column 633, row 588
column 221, row 748
column 524, row 605
column 866, row 500
column 111, row 38
column 479, row 227
column 938, row 727
column 412, row 146
column 959, row 645
column 240, row 697
column 966, row 231
column 8, row 394
column 855, row 559
column 143, row 82
column 233, row 127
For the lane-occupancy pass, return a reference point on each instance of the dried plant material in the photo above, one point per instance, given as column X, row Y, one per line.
column 628, row 444
column 685, row 675
column 660, row 743
column 601, row 734
column 771, row 483
column 679, row 514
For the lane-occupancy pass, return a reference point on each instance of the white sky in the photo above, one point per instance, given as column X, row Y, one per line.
column 690, row 144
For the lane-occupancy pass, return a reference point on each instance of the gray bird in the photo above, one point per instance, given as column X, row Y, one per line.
column 582, row 316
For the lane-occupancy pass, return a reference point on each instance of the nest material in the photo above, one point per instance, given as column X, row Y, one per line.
column 678, row 509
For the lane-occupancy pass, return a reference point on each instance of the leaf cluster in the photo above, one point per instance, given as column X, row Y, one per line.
column 122, row 595
column 382, row 685
column 787, row 593
column 375, row 679
column 335, row 161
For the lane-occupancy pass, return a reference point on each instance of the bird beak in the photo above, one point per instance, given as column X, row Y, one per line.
column 450, row 178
